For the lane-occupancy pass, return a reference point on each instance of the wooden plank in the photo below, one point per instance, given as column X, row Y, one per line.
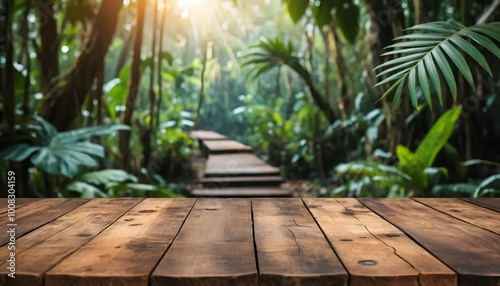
column 214, row 247
column 472, row 252
column 491, row 203
column 37, row 214
column 37, row 252
column 222, row 182
column 127, row 251
column 20, row 202
column 291, row 249
column 206, row 135
column 465, row 211
column 238, row 165
column 243, row 192
column 225, row 146
column 373, row 251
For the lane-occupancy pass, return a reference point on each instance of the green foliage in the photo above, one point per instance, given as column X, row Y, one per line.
column 62, row 153
column 427, row 56
column 414, row 171
column 346, row 17
column 296, row 8
column 272, row 52
column 416, row 163
column 113, row 183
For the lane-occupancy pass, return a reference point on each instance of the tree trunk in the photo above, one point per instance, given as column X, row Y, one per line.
column 48, row 57
column 7, row 74
column 152, row 95
column 63, row 103
column 135, row 76
column 160, row 50
column 124, row 53
column 340, row 73
column 26, row 54
column 202, row 87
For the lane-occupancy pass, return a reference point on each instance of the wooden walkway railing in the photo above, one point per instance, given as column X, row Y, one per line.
column 232, row 170
column 263, row 241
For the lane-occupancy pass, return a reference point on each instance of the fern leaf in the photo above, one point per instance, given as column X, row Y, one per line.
column 433, row 52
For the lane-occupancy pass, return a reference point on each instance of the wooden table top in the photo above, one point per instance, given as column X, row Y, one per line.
column 265, row 241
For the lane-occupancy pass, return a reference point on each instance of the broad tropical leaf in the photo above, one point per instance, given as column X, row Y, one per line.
column 432, row 54
column 296, row 8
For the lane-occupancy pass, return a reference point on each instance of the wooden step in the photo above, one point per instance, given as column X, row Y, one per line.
column 242, row 192
column 224, row 147
column 238, row 165
column 224, row 182
column 206, row 135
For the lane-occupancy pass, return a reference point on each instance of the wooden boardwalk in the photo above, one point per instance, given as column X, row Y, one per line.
column 263, row 241
column 232, row 170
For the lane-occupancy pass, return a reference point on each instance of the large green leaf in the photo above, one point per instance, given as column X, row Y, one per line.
column 437, row 136
column 18, row 152
column 488, row 186
column 296, row 9
column 323, row 12
column 107, row 176
column 442, row 43
column 85, row 133
column 347, row 19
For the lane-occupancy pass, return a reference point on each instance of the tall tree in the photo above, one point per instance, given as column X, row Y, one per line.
column 7, row 74
column 135, row 76
column 63, row 102
column 160, row 51
column 49, row 48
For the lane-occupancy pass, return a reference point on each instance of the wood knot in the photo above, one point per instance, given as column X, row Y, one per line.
column 367, row 262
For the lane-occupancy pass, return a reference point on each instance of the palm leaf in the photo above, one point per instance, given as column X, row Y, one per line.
column 432, row 53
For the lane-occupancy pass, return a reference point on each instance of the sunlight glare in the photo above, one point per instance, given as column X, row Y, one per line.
column 186, row 4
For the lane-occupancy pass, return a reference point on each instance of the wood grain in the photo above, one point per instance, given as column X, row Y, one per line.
column 291, row 249
column 473, row 214
column 491, row 203
column 214, row 247
column 75, row 229
column 127, row 251
column 206, row 135
column 472, row 252
column 243, row 192
column 238, row 165
column 20, row 202
column 37, row 214
column 373, row 251
column 225, row 146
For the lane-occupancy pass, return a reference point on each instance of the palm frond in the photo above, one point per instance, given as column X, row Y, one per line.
column 432, row 54
column 270, row 53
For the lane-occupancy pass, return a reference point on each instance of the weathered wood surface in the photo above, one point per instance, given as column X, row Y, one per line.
column 214, row 247
column 238, row 165
column 126, row 252
column 19, row 202
column 78, row 227
column 373, row 251
column 476, row 215
column 291, row 249
column 492, row 203
column 242, row 192
column 206, row 135
column 225, row 146
column 472, row 252
column 286, row 241
column 37, row 214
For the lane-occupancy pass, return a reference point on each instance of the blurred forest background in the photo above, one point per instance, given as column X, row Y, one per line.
column 98, row 96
